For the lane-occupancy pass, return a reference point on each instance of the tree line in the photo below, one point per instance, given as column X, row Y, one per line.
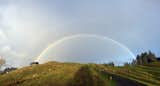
column 144, row 58
column 141, row 59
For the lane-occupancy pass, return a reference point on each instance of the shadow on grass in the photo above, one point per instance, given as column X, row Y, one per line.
column 121, row 81
column 86, row 76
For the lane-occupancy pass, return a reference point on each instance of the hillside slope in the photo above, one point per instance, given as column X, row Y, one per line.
column 73, row 74
column 146, row 74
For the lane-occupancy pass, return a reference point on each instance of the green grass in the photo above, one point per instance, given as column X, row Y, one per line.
column 147, row 74
column 74, row 74
column 40, row 74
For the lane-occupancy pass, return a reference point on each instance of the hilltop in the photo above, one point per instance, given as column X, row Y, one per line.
column 74, row 74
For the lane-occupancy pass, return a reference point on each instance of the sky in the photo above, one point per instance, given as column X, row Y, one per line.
column 27, row 27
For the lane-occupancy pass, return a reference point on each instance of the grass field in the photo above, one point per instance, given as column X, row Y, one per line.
column 74, row 74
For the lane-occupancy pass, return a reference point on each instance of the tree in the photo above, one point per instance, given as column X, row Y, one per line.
column 6, row 70
column 146, row 58
column 143, row 57
column 134, row 62
column 2, row 62
column 34, row 63
column 127, row 64
column 111, row 64
column 151, row 57
column 139, row 61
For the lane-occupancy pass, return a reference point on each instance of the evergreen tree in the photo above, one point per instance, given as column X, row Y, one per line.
column 145, row 58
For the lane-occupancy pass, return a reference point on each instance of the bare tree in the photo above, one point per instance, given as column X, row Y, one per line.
column 2, row 62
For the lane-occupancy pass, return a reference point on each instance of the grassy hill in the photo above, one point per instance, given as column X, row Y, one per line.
column 74, row 74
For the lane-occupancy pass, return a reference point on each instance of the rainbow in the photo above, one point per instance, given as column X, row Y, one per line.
column 56, row 43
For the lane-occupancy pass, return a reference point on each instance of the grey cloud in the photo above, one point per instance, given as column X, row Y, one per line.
column 30, row 25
